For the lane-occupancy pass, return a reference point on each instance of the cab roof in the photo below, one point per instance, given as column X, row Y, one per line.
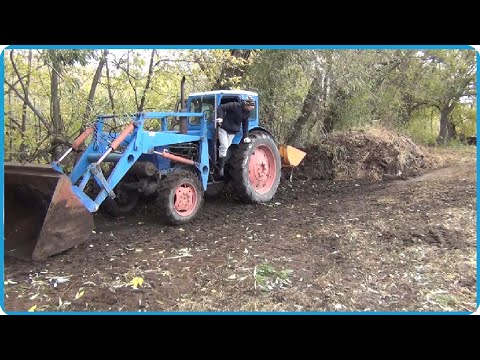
column 230, row 92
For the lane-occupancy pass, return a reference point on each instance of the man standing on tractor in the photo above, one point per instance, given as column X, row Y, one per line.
column 229, row 118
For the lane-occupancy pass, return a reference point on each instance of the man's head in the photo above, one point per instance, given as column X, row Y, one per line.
column 249, row 103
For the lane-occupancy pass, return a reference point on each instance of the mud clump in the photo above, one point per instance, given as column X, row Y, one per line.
column 374, row 154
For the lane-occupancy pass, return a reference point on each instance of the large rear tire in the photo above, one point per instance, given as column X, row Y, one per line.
column 180, row 196
column 255, row 168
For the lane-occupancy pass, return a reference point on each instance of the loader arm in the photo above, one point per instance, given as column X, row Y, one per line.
column 47, row 211
column 138, row 142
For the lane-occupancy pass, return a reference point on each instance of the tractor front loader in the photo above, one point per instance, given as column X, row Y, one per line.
column 171, row 157
column 47, row 212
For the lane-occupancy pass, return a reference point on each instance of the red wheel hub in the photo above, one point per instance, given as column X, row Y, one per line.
column 262, row 169
column 185, row 199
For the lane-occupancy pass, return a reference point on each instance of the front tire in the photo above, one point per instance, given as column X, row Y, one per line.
column 255, row 168
column 124, row 203
column 180, row 196
column 117, row 208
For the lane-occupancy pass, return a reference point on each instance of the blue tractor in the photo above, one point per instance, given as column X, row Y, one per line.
column 171, row 157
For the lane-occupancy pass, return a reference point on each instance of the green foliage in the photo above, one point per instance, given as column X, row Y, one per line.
column 424, row 125
column 68, row 57
column 356, row 111
column 403, row 89
column 267, row 278
column 464, row 119
column 281, row 91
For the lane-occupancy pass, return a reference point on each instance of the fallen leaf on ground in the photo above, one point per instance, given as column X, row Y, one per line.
column 136, row 282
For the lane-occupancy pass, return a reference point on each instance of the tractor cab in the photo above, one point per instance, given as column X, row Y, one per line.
column 207, row 103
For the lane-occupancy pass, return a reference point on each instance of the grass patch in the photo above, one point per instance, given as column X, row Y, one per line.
column 267, row 278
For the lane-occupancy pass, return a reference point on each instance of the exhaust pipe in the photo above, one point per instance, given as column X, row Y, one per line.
column 183, row 120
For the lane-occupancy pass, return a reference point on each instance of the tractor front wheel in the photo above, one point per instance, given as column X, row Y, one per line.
column 180, row 196
column 124, row 203
column 255, row 168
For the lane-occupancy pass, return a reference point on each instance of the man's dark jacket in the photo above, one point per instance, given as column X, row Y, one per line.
column 233, row 115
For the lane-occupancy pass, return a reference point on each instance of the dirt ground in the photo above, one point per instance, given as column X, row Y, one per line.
column 360, row 244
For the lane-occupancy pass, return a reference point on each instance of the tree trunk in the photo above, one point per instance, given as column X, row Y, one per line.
column 55, row 103
column 308, row 106
column 323, row 95
column 447, row 130
column 109, row 88
column 130, row 80
column 147, row 84
column 25, row 105
column 93, row 88
column 10, row 137
column 329, row 121
column 329, row 97
column 39, row 126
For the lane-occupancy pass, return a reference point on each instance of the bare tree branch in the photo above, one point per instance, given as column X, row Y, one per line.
column 109, row 88
column 91, row 95
column 147, row 84
column 35, row 110
column 197, row 61
column 200, row 62
column 129, row 79
column 16, row 122
column 26, row 90
column 24, row 76
column 37, row 152
column 18, row 74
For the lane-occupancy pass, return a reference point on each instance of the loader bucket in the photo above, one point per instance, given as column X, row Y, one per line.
column 42, row 215
column 291, row 156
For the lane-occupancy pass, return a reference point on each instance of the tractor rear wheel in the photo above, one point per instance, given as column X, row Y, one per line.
column 255, row 168
column 180, row 196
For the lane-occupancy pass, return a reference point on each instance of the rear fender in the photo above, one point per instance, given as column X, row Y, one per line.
column 238, row 137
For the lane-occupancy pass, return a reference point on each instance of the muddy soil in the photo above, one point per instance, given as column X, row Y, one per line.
column 321, row 245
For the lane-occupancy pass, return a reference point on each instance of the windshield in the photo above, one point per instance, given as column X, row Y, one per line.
column 203, row 104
